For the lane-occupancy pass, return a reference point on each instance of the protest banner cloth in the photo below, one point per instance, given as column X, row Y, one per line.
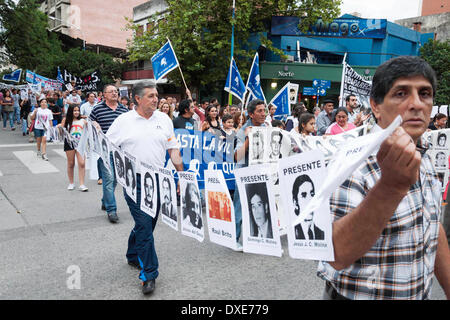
column 168, row 198
column 254, row 81
column 346, row 160
column 328, row 144
column 105, row 150
column 13, row 76
column 268, row 144
column 219, row 210
column 300, row 176
column 119, row 164
column 234, row 83
column 202, row 150
column 191, row 208
column 164, row 61
column 353, row 83
column 439, row 152
column 91, row 82
column 46, row 83
column 131, row 169
column 149, row 189
column 260, row 229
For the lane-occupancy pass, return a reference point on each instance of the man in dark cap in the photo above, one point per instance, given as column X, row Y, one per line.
column 325, row 118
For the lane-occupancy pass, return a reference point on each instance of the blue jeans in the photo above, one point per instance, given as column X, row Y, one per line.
column 108, row 185
column 141, row 244
column 8, row 115
column 237, row 213
column 17, row 114
column 24, row 125
column 98, row 168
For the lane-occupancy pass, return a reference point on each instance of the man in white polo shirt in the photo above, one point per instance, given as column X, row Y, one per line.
column 146, row 133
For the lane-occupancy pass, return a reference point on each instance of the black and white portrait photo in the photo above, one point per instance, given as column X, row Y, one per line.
column 275, row 145
column 302, row 192
column 441, row 160
column 130, row 178
column 192, row 213
column 441, row 141
column 149, row 198
column 167, row 202
column 119, row 165
column 259, row 210
column 257, row 145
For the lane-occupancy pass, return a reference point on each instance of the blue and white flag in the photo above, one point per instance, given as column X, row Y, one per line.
column 164, row 61
column 59, row 77
column 13, row 76
column 234, row 83
column 281, row 101
column 254, row 81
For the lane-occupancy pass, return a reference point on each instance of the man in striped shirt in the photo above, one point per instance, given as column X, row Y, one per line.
column 102, row 116
column 387, row 237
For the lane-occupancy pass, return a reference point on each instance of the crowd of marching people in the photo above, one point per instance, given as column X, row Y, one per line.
column 34, row 112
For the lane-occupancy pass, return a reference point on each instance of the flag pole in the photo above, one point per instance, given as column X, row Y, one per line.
column 230, row 97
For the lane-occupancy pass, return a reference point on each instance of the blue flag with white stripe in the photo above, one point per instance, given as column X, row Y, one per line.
column 59, row 77
column 281, row 101
column 234, row 83
column 164, row 61
column 254, row 80
column 13, row 76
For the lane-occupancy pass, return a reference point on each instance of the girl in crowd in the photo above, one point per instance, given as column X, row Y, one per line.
column 165, row 108
column 239, row 120
column 341, row 123
column 8, row 110
column 306, row 125
column 43, row 121
column 211, row 122
column 74, row 125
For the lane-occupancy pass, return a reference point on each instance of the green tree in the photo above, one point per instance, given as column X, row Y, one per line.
column 24, row 33
column 437, row 54
column 200, row 33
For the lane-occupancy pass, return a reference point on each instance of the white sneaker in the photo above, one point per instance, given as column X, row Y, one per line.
column 44, row 156
column 71, row 187
column 83, row 188
column 239, row 247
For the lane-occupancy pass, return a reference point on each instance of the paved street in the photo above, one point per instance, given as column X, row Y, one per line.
column 45, row 229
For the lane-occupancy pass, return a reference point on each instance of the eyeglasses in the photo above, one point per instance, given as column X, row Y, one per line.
column 112, row 91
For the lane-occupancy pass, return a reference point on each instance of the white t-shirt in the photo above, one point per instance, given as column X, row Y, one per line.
column 71, row 99
column 43, row 118
column 147, row 140
column 77, row 128
column 86, row 108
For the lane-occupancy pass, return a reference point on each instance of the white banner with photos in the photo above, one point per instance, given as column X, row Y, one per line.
column 191, row 206
column 219, row 210
column 260, row 230
column 149, row 196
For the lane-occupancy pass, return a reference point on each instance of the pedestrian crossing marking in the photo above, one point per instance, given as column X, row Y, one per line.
column 34, row 163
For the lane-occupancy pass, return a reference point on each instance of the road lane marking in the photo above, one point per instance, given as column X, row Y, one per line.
column 34, row 163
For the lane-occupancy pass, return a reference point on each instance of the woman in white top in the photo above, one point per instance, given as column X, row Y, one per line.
column 74, row 125
column 42, row 117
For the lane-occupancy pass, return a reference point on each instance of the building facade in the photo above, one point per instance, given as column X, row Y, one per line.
column 430, row 7
column 94, row 21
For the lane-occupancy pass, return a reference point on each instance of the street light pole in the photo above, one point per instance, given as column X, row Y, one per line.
column 72, row 25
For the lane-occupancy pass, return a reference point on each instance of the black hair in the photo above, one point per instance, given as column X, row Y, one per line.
column 252, row 105
column 304, row 119
column 184, row 106
column 335, row 112
column 296, row 186
column 69, row 116
column 400, row 67
column 128, row 166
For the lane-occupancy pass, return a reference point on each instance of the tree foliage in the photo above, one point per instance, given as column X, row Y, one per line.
column 200, row 32
column 24, row 33
column 437, row 54
column 29, row 45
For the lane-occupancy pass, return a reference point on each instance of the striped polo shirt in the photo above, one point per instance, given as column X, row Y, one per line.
column 105, row 116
